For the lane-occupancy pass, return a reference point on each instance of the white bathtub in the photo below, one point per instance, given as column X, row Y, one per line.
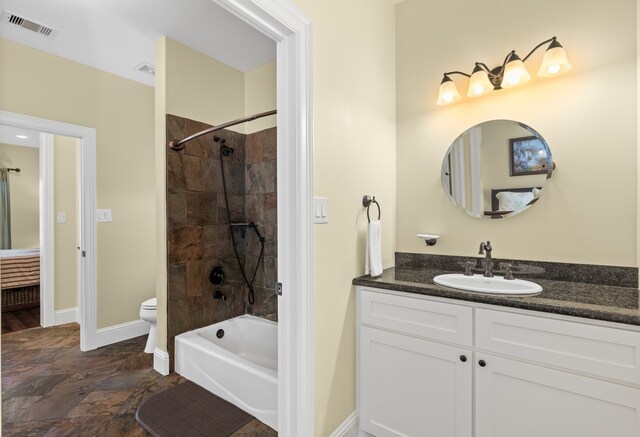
column 241, row 367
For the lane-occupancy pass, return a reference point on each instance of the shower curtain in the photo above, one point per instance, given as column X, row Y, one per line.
column 5, row 211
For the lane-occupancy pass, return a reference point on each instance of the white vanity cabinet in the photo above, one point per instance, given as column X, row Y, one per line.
column 415, row 366
column 437, row 367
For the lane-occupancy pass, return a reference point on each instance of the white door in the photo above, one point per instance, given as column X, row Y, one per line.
column 525, row 400
column 412, row 387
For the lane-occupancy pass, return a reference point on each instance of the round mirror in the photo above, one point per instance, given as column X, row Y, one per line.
column 496, row 169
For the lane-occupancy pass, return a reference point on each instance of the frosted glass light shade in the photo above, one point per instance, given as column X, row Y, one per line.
column 448, row 92
column 554, row 62
column 515, row 73
column 479, row 83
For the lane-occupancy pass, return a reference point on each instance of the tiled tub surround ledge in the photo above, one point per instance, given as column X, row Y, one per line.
column 586, row 296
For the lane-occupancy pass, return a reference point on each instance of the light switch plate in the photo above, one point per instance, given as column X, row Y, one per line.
column 320, row 210
column 104, row 215
column 62, row 217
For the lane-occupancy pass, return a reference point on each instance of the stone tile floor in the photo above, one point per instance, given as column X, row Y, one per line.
column 50, row 388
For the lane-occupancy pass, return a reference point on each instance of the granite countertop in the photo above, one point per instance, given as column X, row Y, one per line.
column 592, row 301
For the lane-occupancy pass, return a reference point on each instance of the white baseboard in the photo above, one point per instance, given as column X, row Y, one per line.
column 161, row 362
column 348, row 428
column 68, row 315
column 124, row 331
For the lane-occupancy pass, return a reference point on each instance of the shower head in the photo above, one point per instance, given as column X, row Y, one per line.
column 224, row 149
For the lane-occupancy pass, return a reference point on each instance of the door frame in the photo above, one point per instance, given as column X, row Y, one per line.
column 87, row 304
column 47, row 232
column 291, row 30
column 47, row 214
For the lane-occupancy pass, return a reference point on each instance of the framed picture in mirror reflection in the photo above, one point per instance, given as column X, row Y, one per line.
column 528, row 156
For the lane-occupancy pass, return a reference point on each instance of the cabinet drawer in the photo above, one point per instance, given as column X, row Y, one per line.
column 423, row 318
column 607, row 352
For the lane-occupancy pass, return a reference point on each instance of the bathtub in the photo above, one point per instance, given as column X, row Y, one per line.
column 241, row 366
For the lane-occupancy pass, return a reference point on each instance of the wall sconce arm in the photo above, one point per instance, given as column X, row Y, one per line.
column 457, row 72
column 550, row 40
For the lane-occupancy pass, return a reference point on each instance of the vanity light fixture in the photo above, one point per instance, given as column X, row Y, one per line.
column 511, row 73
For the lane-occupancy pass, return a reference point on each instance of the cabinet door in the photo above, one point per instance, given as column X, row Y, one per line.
column 413, row 387
column 525, row 400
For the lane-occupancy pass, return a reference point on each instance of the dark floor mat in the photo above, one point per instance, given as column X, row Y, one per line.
column 188, row 410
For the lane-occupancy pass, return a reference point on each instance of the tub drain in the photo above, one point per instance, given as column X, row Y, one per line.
column 220, row 333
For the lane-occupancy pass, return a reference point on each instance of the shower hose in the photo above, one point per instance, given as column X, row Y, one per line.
column 227, row 151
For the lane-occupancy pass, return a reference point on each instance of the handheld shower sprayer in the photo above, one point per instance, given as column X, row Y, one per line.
column 255, row 229
column 228, row 151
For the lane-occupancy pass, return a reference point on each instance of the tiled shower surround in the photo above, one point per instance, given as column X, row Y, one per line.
column 198, row 235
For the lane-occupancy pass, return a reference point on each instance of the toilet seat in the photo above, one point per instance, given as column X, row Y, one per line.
column 150, row 304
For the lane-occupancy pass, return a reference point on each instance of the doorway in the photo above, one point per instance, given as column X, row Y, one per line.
column 19, row 230
column 285, row 24
column 38, row 169
column 86, row 215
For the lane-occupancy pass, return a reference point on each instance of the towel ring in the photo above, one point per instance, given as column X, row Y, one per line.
column 367, row 201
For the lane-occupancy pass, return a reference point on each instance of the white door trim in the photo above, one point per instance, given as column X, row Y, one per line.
column 475, row 135
column 285, row 24
column 88, row 240
column 47, row 235
column 458, row 173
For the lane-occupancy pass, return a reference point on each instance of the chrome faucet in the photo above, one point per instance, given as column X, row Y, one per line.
column 488, row 266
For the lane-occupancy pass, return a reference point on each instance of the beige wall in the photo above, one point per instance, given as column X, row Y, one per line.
column 588, row 117
column 201, row 88
column 24, row 186
column 42, row 85
column 354, row 154
column 65, row 200
column 160, row 146
column 260, row 96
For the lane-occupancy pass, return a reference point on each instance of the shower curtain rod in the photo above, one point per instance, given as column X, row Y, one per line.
column 178, row 145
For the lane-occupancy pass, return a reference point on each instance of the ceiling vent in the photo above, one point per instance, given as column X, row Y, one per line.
column 147, row 68
column 25, row 23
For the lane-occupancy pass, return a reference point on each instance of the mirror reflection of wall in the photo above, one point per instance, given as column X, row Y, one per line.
column 496, row 169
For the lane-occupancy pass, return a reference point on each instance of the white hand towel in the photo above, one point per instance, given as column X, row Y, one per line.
column 373, row 256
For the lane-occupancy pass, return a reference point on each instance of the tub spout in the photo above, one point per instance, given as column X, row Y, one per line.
column 221, row 296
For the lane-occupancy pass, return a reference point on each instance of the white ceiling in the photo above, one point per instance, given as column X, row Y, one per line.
column 117, row 35
column 8, row 136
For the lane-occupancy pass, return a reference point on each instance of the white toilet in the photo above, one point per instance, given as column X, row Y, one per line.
column 149, row 313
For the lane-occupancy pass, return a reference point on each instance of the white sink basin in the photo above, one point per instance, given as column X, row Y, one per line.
column 495, row 285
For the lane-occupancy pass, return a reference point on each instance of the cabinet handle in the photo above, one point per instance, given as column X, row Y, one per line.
column 482, row 363
column 463, row 358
